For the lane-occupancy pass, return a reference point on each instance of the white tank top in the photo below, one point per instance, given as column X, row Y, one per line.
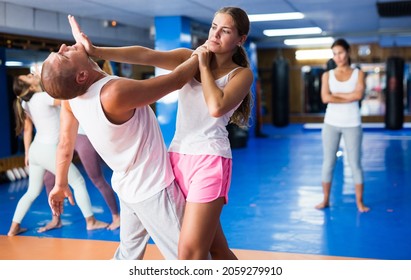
column 45, row 117
column 343, row 114
column 198, row 133
column 134, row 150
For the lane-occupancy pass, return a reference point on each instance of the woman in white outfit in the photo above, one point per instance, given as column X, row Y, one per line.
column 342, row 89
column 35, row 108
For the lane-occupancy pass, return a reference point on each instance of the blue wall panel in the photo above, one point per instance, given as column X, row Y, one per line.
column 5, row 131
column 171, row 33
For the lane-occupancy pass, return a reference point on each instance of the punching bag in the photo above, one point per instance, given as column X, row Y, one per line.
column 312, row 89
column 394, row 99
column 331, row 64
column 280, row 92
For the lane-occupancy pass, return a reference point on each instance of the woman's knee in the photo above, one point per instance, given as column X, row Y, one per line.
column 76, row 181
column 189, row 251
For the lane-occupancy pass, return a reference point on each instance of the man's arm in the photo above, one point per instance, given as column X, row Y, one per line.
column 68, row 134
column 130, row 54
column 120, row 97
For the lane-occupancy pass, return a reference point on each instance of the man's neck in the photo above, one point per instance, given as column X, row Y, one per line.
column 97, row 75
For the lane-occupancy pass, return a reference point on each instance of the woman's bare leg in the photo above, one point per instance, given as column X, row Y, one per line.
column 200, row 224
column 15, row 229
column 326, row 201
column 359, row 190
column 219, row 249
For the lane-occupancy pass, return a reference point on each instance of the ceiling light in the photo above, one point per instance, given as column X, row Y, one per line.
column 309, row 41
column 292, row 31
column 313, row 54
column 11, row 63
column 272, row 17
column 110, row 23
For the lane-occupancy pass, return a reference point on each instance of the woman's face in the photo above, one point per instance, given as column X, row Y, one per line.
column 340, row 55
column 223, row 35
column 30, row 79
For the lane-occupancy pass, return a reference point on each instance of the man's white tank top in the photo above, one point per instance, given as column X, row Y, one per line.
column 197, row 132
column 343, row 114
column 134, row 150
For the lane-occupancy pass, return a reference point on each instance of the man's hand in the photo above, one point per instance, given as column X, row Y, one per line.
column 56, row 199
column 79, row 36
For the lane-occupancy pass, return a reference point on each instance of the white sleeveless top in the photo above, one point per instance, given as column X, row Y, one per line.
column 343, row 114
column 45, row 117
column 134, row 150
column 197, row 132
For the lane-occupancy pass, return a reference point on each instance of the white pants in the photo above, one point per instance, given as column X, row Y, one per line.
column 159, row 217
column 42, row 157
column 331, row 136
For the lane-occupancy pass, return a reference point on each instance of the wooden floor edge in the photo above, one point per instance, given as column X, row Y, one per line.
column 44, row 248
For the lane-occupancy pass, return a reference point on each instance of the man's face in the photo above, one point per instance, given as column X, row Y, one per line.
column 61, row 68
column 69, row 56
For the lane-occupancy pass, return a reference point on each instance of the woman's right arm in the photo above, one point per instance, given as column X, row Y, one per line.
column 131, row 54
column 325, row 90
column 27, row 138
column 326, row 95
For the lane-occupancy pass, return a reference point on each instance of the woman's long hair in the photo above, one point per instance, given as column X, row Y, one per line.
column 241, row 116
column 23, row 93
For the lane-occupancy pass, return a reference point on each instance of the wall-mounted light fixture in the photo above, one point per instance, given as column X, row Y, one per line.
column 275, row 17
column 309, row 41
column 292, row 31
column 110, row 23
column 12, row 63
column 313, row 54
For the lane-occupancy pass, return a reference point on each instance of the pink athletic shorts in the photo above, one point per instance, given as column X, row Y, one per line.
column 202, row 178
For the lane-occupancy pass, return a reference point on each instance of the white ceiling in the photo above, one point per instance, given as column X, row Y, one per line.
column 356, row 20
